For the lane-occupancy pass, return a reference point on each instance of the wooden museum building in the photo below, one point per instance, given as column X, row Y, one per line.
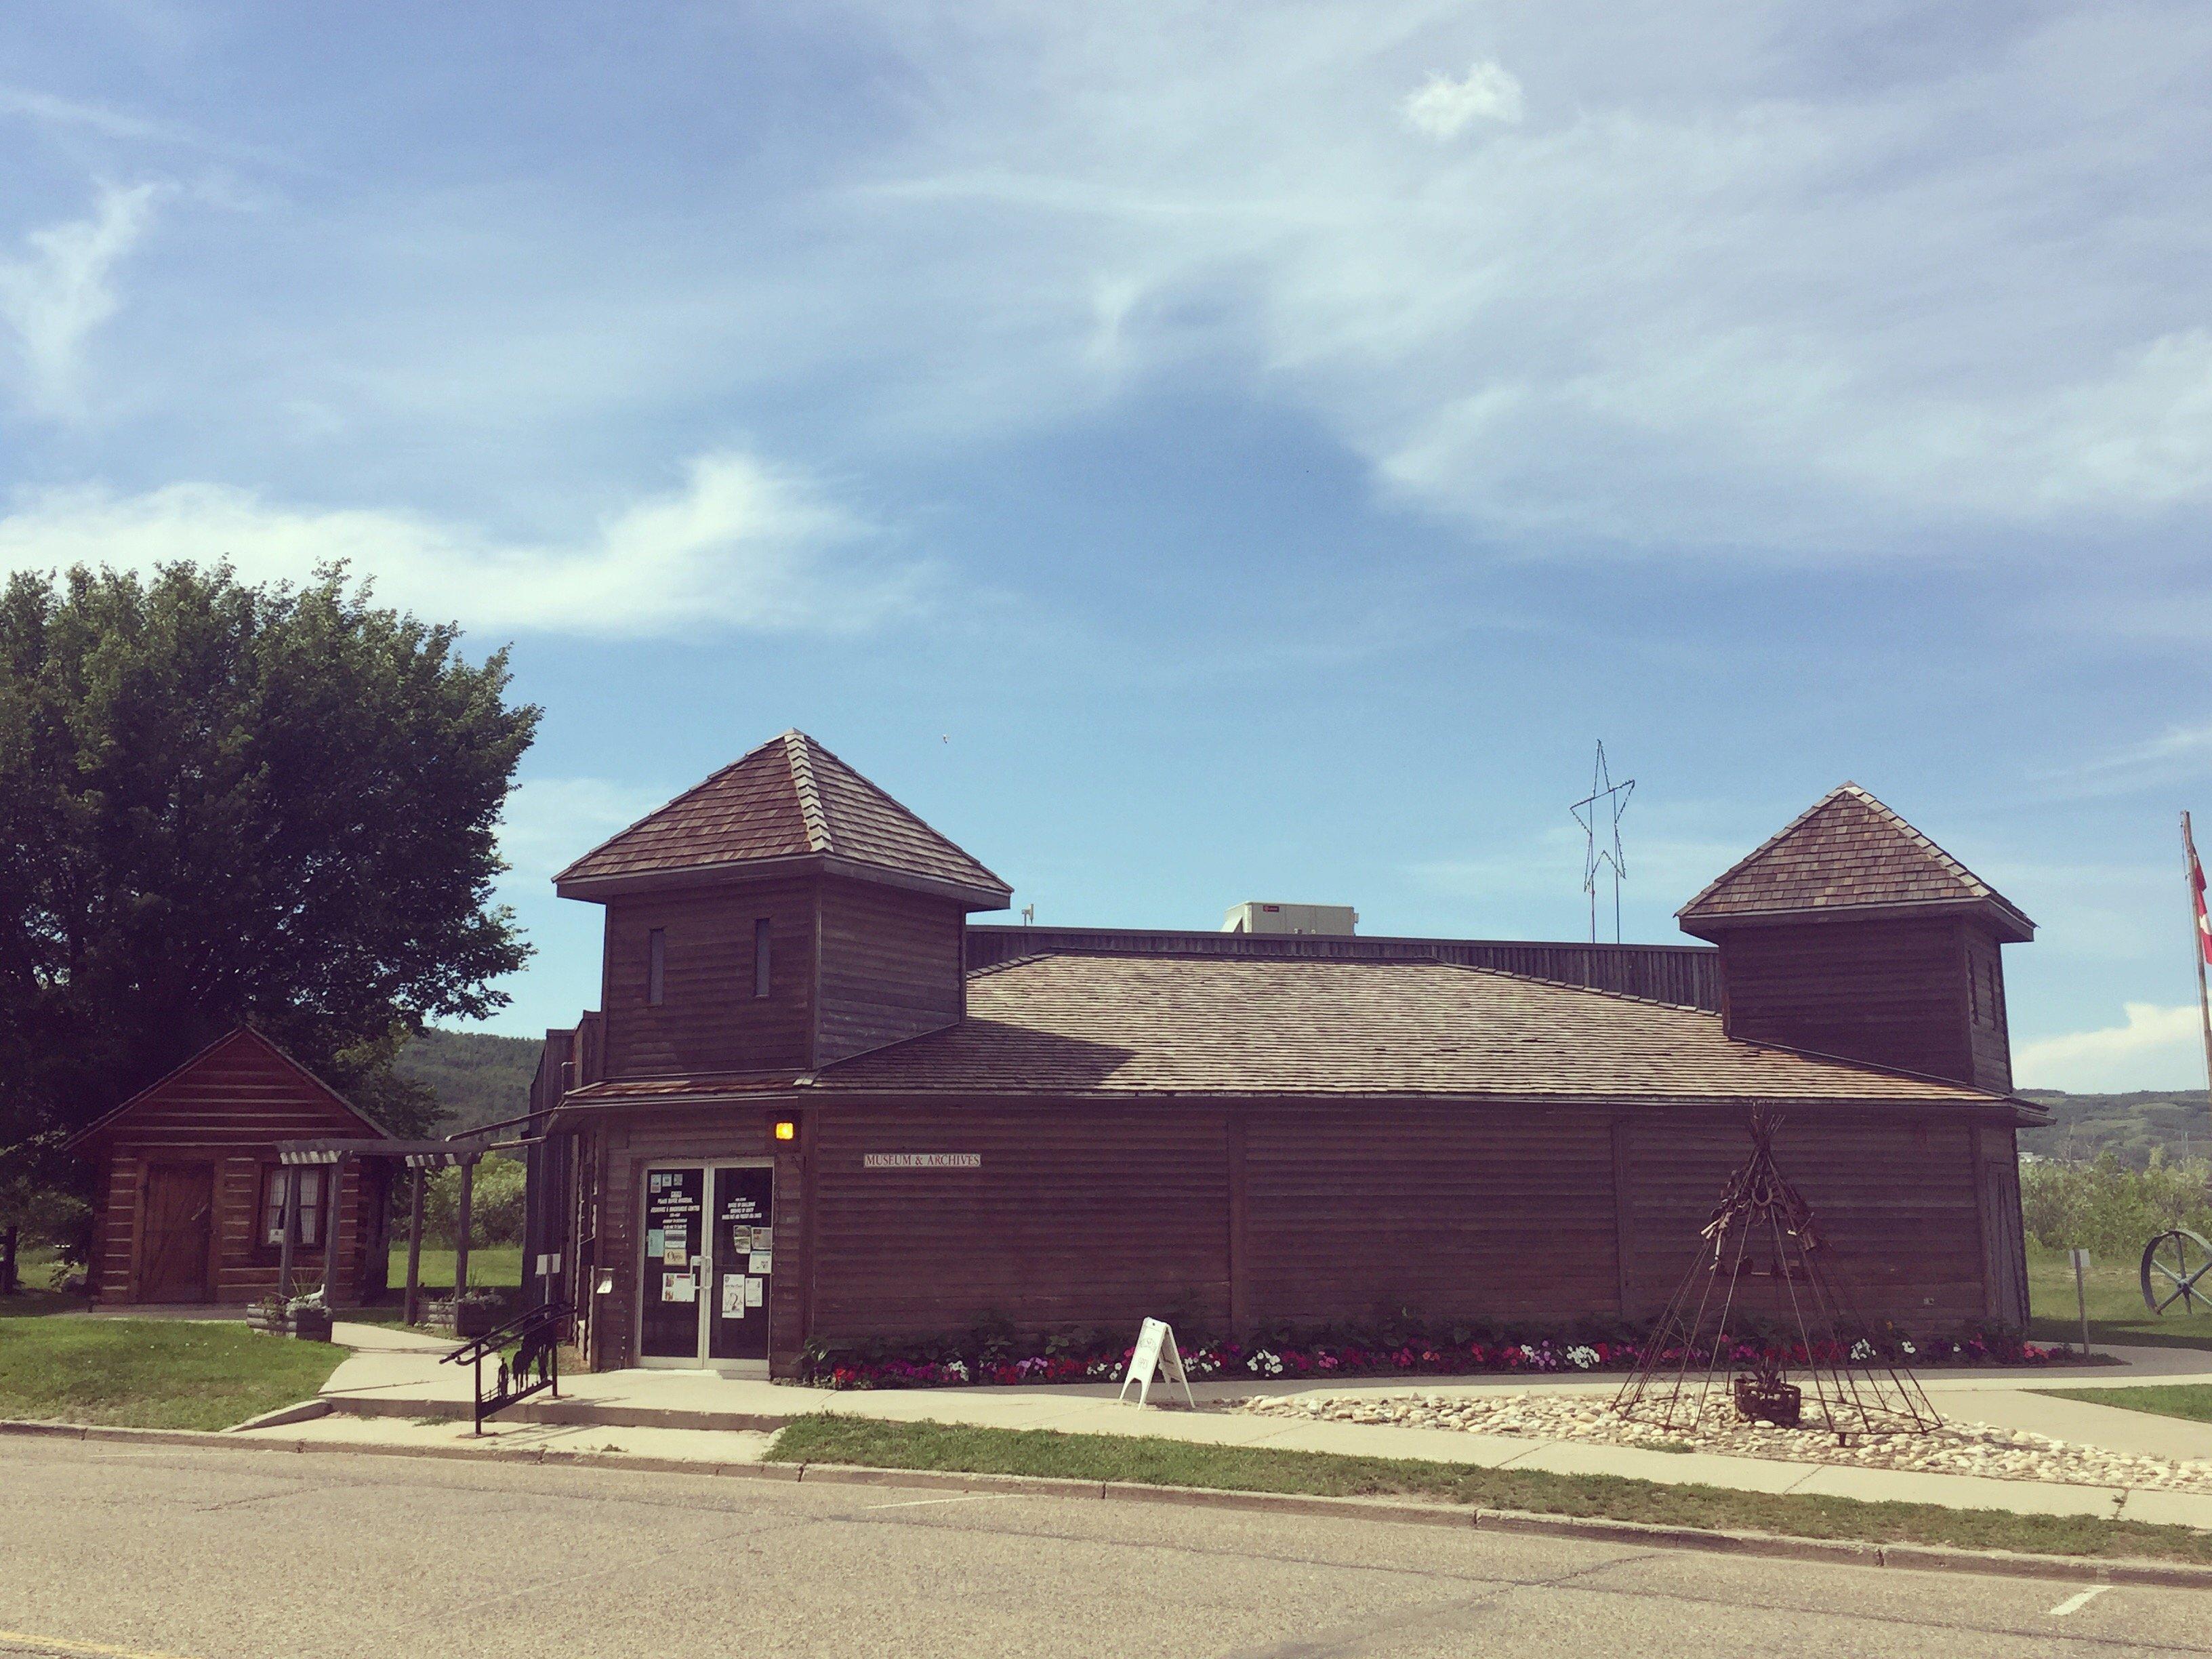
column 190, row 1184
column 817, row 1103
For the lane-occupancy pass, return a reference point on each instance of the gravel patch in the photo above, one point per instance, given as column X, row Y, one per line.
column 1955, row 1448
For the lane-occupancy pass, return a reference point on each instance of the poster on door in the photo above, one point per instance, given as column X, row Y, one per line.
column 675, row 1233
column 742, row 1218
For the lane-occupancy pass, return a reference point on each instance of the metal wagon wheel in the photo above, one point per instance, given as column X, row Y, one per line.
column 2172, row 1263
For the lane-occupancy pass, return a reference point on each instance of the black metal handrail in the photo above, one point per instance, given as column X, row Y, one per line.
column 533, row 1367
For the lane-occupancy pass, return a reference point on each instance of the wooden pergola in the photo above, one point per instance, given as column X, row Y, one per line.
column 419, row 1156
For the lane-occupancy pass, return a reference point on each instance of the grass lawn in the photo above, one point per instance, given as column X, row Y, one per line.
column 832, row 1439
column 153, row 1373
column 2191, row 1400
column 489, row 1264
column 2117, row 1313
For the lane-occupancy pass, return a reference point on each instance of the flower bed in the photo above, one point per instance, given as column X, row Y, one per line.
column 991, row 1357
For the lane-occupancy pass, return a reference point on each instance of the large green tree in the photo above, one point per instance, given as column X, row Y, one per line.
column 222, row 802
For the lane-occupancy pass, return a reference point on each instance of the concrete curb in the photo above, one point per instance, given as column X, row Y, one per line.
column 562, row 1413
column 1924, row 1557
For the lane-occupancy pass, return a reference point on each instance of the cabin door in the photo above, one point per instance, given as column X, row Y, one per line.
column 706, row 1260
column 177, row 1230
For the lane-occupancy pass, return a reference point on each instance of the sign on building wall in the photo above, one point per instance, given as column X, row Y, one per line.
column 921, row 1160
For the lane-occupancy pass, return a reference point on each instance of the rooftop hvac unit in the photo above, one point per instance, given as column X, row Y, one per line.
column 1340, row 920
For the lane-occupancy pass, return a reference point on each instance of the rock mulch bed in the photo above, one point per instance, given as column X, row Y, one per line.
column 1955, row 1448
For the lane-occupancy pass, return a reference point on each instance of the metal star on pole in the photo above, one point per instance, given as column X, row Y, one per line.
column 1595, row 857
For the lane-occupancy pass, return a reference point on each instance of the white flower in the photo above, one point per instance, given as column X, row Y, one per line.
column 1581, row 1357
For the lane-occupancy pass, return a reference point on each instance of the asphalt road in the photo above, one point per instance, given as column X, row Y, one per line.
column 122, row 1550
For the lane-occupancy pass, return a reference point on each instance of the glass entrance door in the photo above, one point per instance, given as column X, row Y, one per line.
column 675, row 1238
column 704, row 1278
column 741, row 1260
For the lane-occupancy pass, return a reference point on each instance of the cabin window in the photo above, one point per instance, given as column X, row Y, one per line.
column 761, row 957
column 656, row 966
column 272, row 1206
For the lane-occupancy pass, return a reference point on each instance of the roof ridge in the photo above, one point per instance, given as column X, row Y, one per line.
column 1767, row 846
column 707, row 782
column 813, row 811
column 906, row 812
column 1569, row 985
column 990, row 968
column 1973, row 885
column 1982, row 889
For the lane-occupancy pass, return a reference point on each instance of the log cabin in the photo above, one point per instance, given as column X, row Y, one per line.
column 818, row 1104
column 188, row 1192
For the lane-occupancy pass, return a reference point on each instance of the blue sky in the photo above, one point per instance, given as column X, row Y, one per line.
column 1200, row 454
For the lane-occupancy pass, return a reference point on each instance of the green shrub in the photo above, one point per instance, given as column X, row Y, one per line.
column 2111, row 1209
column 495, row 1205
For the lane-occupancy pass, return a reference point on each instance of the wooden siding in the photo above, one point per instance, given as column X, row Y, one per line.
column 1687, row 974
column 1892, row 991
column 1989, row 1039
column 225, row 1114
column 1356, row 1213
column 1252, row 1217
column 1894, row 1198
column 890, row 968
column 709, row 1020
column 1090, row 1216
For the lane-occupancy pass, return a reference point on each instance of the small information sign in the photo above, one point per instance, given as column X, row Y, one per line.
column 1156, row 1354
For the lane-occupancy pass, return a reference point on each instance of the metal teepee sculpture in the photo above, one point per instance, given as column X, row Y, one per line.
column 1763, row 1245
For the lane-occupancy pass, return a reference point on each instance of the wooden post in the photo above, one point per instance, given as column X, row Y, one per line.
column 461, row 1230
column 290, row 1231
column 8, row 1261
column 411, row 1307
column 2082, row 1297
column 333, row 1215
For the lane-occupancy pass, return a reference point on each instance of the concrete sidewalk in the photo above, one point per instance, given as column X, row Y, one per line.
column 394, row 1392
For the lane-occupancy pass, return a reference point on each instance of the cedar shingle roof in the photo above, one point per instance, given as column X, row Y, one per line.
column 1848, row 851
column 789, row 798
column 1124, row 1025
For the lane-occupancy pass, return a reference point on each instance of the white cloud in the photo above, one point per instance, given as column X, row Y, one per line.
column 2158, row 1048
column 550, row 822
column 2178, row 753
column 1768, row 282
column 60, row 289
column 1444, row 108
column 740, row 546
column 45, row 107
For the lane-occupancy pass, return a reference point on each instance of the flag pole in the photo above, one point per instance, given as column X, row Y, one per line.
column 2196, row 874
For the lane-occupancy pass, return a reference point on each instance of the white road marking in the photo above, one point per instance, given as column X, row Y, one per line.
column 2075, row 1603
column 924, row 1502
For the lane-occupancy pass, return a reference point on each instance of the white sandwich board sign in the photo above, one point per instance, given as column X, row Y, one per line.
column 1156, row 1354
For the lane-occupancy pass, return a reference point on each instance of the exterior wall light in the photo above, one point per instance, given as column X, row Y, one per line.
column 786, row 1129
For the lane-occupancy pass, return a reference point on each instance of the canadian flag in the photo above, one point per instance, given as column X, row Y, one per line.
column 2196, row 894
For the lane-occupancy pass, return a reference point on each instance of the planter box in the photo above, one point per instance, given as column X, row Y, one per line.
column 312, row 1324
column 268, row 1324
column 474, row 1319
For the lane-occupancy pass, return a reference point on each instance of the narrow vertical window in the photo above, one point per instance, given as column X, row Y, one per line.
column 656, row 966
column 760, row 957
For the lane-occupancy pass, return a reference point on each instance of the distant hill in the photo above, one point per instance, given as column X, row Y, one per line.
column 2128, row 1125
column 479, row 1077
